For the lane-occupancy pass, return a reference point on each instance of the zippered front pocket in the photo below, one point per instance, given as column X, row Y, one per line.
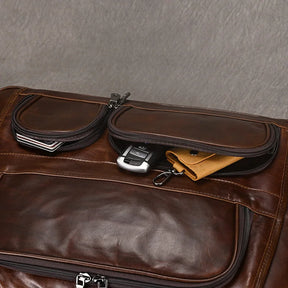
column 200, row 130
column 55, row 124
column 133, row 235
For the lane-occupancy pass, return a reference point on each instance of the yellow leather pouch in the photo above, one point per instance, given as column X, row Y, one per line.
column 197, row 165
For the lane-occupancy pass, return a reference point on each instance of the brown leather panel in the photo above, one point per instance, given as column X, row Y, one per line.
column 66, row 95
column 200, row 128
column 15, row 279
column 255, row 191
column 245, row 189
column 265, row 193
column 46, row 114
column 277, row 276
column 259, row 201
column 7, row 97
column 274, row 236
column 155, row 106
column 259, row 236
column 56, row 217
column 268, row 180
column 100, row 150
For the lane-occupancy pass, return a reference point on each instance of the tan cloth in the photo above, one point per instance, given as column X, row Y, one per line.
column 200, row 165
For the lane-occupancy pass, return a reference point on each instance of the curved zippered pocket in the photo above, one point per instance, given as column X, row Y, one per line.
column 55, row 124
column 208, row 131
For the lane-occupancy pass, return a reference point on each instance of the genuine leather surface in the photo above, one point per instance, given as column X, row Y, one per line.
column 56, row 115
column 91, row 221
column 190, row 125
column 25, row 186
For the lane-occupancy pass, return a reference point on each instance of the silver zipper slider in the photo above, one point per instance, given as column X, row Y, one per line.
column 84, row 278
column 124, row 98
column 116, row 100
column 101, row 281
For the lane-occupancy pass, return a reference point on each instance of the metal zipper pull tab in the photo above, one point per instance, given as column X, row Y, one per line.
column 163, row 177
column 124, row 98
column 100, row 281
column 116, row 100
column 84, row 278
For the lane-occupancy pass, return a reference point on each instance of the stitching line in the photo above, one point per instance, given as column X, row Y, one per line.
column 110, row 267
column 53, row 157
column 67, row 98
column 113, row 163
column 242, row 186
column 269, row 247
column 265, row 120
column 172, row 189
column 9, row 104
column 122, row 111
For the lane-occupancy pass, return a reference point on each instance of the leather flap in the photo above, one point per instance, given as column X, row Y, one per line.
column 119, row 227
column 207, row 131
column 55, row 115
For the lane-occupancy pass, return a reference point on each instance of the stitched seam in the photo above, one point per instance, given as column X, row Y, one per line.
column 8, row 105
column 242, row 186
column 68, row 99
column 264, row 121
column 107, row 266
column 267, row 120
column 228, row 200
column 126, row 110
column 197, row 141
column 54, row 157
column 12, row 87
column 27, row 106
column 175, row 188
column 275, row 238
column 269, row 246
column 172, row 189
column 159, row 109
column 108, row 162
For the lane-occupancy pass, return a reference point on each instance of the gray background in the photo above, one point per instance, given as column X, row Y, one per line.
column 227, row 54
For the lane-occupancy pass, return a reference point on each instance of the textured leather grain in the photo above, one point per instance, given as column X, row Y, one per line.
column 81, row 207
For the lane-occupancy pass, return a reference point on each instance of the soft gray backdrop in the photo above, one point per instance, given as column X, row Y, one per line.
column 227, row 54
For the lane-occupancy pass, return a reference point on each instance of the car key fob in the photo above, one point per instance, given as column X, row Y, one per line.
column 138, row 158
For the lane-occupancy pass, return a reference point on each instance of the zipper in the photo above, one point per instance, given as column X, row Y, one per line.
column 116, row 100
column 85, row 278
column 73, row 139
column 268, row 147
column 118, row 280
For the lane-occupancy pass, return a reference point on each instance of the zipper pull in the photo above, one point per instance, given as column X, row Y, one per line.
column 101, row 281
column 84, row 278
column 124, row 98
column 163, row 177
column 116, row 100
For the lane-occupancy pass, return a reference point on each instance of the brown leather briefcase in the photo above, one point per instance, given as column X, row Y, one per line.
column 70, row 217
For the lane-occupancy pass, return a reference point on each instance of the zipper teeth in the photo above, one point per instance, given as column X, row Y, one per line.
column 186, row 144
column 190, row 144
column 91, row 126
column 244, row 231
